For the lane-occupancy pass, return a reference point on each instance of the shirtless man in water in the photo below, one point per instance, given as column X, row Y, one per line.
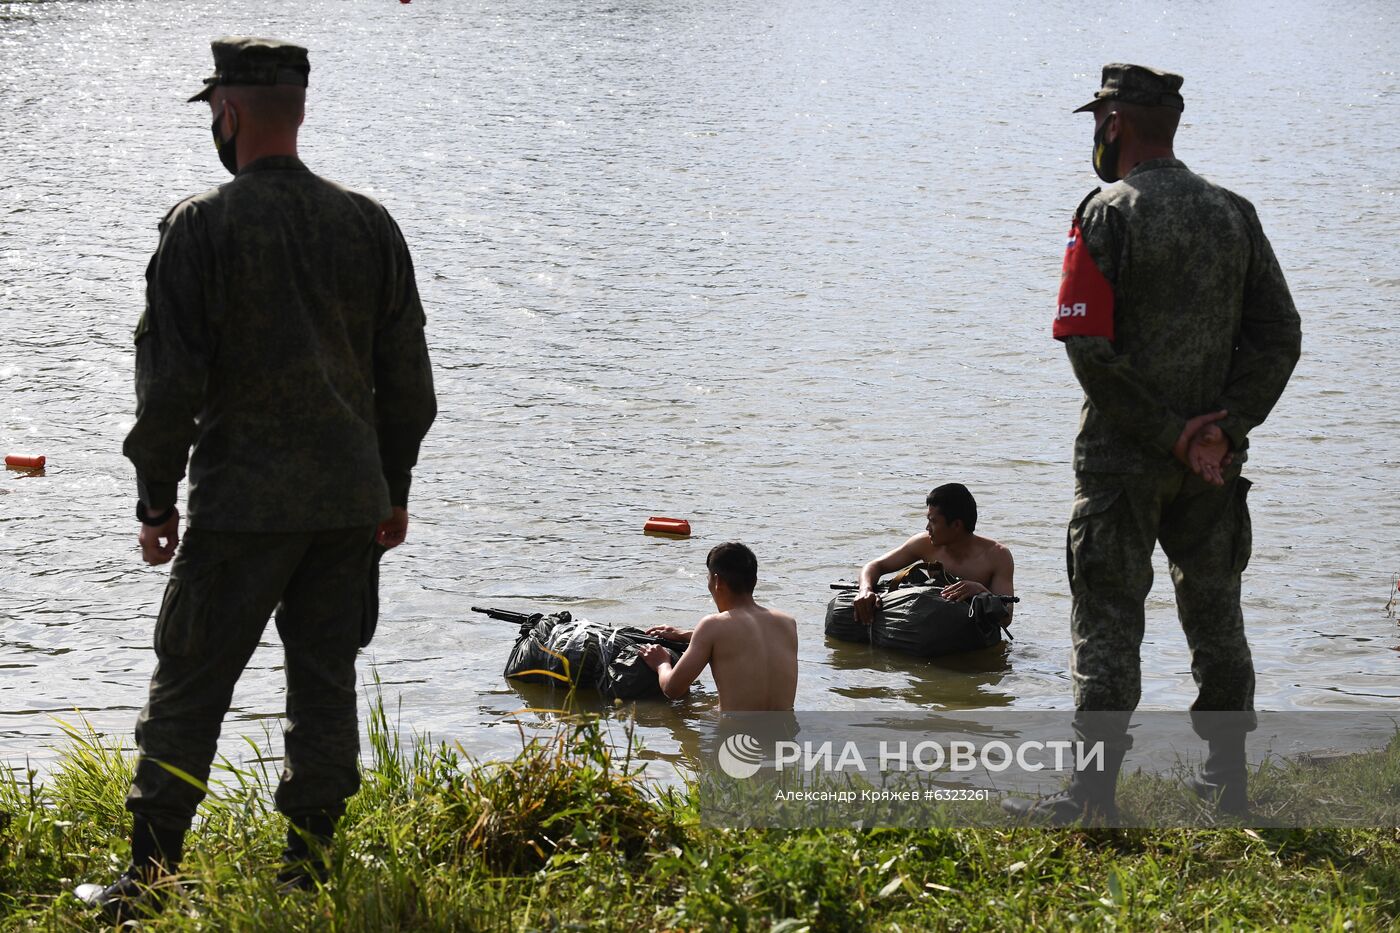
column 752, row 651
column 983, row 565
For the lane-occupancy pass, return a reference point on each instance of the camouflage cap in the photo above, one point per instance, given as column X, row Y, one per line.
column 245, row 60
column 1136, row 84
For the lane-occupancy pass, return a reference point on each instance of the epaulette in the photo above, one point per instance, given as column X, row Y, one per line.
column 1079, row 211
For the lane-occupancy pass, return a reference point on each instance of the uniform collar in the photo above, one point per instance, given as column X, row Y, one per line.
column 274, row 163
column 1151, row 165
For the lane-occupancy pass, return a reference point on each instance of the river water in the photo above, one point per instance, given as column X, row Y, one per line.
column 777, row 268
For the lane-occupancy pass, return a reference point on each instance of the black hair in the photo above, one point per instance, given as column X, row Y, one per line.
column 735, row 564
column 955, row 503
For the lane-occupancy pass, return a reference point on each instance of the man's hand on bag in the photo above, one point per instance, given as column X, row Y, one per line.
column 669, row 632
column 654, row 656
column 865, row 605
column 962, row 590
column 158, row 542
column 393, row 530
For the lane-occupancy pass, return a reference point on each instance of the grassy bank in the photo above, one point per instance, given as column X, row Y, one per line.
column 566, row 836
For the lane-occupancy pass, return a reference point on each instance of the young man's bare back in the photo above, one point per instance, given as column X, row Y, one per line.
column 751, row 650
column 983, row 565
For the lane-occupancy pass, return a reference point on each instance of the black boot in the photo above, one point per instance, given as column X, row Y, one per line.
column 1089, row 800
column 143, row 888
column 1224, row 778
column 306, row 861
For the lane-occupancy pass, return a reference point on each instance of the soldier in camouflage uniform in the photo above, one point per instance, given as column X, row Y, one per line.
column 1181, row 331
column 283, row 340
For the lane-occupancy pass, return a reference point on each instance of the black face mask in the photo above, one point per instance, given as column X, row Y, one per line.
column 228, row 148
column 1106, row 153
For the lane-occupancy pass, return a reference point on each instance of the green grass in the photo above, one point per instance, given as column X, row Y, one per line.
column 568, row 836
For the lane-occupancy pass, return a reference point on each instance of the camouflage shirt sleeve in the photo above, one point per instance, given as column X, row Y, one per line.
column 1111, row 384
column 404, row 403
column 172, row 361
column 1269, row 342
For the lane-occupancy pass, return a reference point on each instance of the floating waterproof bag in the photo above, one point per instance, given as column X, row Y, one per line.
column 566, row 652
column 841, row 621
column 914, row 619
column 555, row 649
column 625, row 676
column 918, row 621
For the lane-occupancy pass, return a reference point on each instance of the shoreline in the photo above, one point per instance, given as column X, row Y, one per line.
column 567, row 833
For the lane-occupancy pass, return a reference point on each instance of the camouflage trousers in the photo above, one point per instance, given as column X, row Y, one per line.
column 1205, row 533
column 223, row 587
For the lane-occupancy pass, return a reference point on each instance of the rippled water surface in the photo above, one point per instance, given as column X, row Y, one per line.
column 778, row 268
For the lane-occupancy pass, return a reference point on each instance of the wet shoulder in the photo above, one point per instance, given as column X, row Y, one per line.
column 778, row 617
column 712, row 622
column 922, row 546
column 991, row 554
column 993, row 546
column 999, row 552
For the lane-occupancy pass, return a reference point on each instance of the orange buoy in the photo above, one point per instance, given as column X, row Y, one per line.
column 667, row 527
column 25, row 463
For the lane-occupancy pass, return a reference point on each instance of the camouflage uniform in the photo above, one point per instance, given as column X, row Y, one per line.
column 1200, row 319
column 283, row 339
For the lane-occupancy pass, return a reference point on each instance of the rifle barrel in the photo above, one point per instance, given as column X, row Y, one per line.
column 503, row 615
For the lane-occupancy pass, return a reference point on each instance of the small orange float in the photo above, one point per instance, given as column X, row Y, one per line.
column 19, row 462
column 667, row 527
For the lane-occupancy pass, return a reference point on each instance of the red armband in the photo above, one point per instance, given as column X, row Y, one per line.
column 1085, row 308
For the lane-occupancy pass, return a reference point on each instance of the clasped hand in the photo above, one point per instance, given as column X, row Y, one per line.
column 158, row 542
column 1204, row 448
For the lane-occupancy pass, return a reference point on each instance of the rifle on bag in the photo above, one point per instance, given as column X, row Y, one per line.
column 521, row 618
column 885, row 587
column 677, row 646
column 557, row 648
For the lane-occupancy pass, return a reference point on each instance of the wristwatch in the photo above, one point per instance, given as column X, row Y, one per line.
column 156, row 521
